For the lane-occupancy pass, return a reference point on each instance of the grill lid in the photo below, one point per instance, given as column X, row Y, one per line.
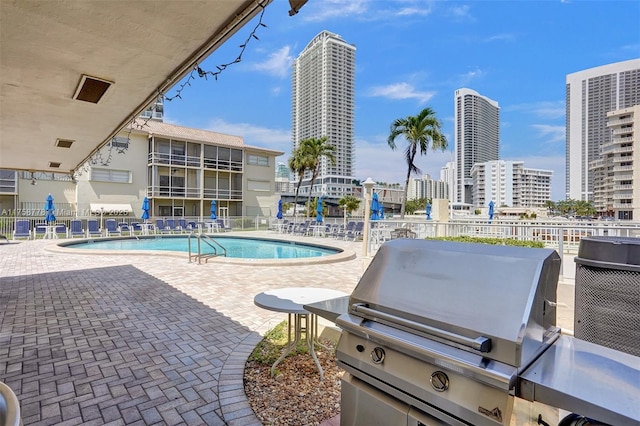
column 482, row 298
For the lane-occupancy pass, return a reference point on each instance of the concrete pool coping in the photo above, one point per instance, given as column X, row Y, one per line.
column 341, row 255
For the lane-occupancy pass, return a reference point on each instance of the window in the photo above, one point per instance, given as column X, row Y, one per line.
column 107, row 175
column 257, row 160
column 258, row 185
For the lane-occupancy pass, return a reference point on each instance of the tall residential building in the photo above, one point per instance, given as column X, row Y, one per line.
column 323, row 95
column 509, row 183
column 425, row 187
column 616, row 174
column 590, row 95
column 283, row 178
column 477, row 137
column 448, row 175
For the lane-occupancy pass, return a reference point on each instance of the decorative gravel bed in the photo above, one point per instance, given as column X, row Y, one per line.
column 295, row 395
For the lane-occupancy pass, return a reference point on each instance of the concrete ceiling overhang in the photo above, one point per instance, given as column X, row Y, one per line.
column 142, row 47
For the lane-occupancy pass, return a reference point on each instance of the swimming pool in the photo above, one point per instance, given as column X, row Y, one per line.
column 236, row 247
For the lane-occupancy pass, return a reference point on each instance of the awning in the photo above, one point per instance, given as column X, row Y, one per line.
column 112, row 209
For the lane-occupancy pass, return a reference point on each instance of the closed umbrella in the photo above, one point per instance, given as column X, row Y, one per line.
column 279, row 215
column 319, row 210
column 145, row 209
column 375, row 207
column 381, row 210
column 491, row 210
column 49, row 208
column 428, row 209
column 213, row 210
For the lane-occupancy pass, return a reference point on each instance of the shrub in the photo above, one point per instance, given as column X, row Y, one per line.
column 494, row 241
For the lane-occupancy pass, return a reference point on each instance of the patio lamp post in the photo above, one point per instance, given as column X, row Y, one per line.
column 368, row 189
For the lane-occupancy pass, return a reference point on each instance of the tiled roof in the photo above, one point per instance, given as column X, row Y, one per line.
column 158, row 128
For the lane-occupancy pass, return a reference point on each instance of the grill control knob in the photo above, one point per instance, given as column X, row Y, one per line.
column 439, row 381
column 377, row 355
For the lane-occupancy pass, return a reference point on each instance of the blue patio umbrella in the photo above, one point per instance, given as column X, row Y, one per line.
column 319, row 210
column 213, row 210
column 381, row 210
column 375, row 207
column 491, row 210
column 279, row 215
column 145, row 209
column 428, row 209
column 49, row 209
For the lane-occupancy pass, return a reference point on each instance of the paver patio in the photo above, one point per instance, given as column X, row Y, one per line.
column 142, row 339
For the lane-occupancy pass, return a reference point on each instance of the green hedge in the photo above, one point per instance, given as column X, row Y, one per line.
column 495, row 241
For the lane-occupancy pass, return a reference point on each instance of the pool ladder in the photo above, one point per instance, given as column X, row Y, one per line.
column 206, row 239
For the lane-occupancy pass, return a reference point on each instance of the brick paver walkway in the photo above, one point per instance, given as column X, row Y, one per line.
column 138, row 339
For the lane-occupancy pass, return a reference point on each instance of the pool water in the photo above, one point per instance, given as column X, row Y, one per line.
column 241, row 248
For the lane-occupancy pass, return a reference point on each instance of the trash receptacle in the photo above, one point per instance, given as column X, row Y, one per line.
column 607, row 293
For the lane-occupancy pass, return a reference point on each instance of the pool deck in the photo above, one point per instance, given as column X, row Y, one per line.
column 146, row 339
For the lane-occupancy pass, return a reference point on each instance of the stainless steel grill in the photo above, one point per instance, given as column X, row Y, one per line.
column 441, row 333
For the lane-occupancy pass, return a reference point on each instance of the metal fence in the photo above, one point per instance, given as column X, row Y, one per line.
column 562, row 236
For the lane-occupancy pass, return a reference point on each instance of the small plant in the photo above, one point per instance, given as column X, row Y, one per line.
column 494, row 241
column 272, row 345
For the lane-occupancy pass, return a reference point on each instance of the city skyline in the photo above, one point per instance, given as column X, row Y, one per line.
column 412, row 54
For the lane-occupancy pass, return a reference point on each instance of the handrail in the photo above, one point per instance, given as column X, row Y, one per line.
column 211, row 242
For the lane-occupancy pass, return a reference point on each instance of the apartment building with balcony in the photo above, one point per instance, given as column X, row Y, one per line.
column 425, row 187
column 323, row 104
column 509, row 183
column 616, row 173
column 180, row 169
column 590, row 95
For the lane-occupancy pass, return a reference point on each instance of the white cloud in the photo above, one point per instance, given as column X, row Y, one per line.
column 469, row 76
column 375, row 159
column 277, row 64
column 400, row 91
column 553, row 134
column 461, row 13
column 277, row 139
column 543, row 109
column 500, row 37
column 326, row 9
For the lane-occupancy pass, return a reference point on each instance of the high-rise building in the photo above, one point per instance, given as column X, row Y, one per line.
column 590, row 95
column 323, row 95
column 477, row 137
column 448, row 175
column 428, row 188
column 509, row 183
column 616, row 174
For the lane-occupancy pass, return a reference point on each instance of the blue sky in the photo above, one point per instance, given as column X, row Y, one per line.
column 412, row 54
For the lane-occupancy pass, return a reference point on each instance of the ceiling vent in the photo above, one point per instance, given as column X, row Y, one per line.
column 54, row 165
column 91, row 89
column 64, row 143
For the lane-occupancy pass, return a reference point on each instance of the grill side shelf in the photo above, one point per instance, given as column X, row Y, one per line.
column 481, row 344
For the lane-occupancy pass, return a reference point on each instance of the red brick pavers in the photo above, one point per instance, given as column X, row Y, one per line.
column 137, row 339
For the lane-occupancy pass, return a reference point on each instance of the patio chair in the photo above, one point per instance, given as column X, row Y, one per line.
column 23, row 230
column 61, row 228
column 93, row 228
column 39, row 230
column 342, row 232
column 356, row 232
column 222, row 226
column 162, row 227
column 136, row 228
column 124, row 228
column 75, row 228
column 112, row 227
column 172, row 226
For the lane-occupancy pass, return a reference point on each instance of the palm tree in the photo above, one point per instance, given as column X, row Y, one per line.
column 419, row 131
column 315, row 149
column 298, row 163
column 349, row 203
